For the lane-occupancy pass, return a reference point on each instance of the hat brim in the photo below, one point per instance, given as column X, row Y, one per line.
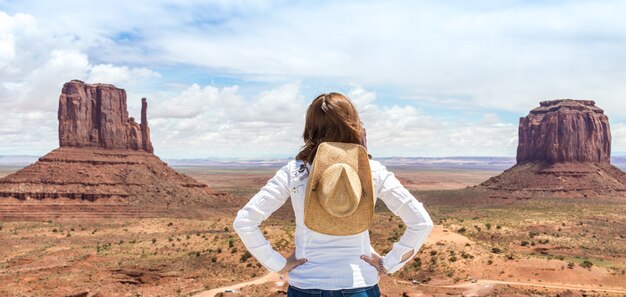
column 315, row 217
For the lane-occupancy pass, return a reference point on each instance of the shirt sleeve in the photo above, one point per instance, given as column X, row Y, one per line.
column 259, row 208
column 418, row 223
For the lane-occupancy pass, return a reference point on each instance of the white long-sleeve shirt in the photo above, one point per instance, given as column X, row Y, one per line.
column 333, row 262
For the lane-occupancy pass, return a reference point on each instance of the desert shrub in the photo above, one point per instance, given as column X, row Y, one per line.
column 532, row 234
column 452, row 259
column 433, row 253
column 496, row 250
column 524, row 243
column 586, row 264
column 466, row 255
column 498, row 227
column 213, row 259
column 188, row 237
column 234, row 250
column 231, row 243
column 570, row 265
column 170, row 224
column 219, row 250
column 461, row 230
column 489, row 262
column 55, row 230
column 121, row 242
column 400, row 226
column 154, row 240
column 226, row 229
column 488, row 226
column 417, row 263
column 467, row 244
column 68, row 234
column 244, row 257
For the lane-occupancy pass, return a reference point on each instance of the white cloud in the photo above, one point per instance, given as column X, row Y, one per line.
column 120, row 75
column 482, row 57
column 220, row 122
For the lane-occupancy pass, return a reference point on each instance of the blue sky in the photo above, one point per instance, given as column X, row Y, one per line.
column 232, row 79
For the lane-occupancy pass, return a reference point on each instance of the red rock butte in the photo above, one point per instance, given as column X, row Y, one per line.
column 95, row 115
column 104, row 155
column 564, row 149
column 564, row 131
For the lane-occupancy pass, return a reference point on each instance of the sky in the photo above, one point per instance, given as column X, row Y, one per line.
column 232, row 79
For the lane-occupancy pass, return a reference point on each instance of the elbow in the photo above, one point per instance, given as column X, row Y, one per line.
column 239, row 223
column 245, row 222
column 428, row 224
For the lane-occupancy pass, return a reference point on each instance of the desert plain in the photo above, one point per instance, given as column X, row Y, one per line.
column 481, row 245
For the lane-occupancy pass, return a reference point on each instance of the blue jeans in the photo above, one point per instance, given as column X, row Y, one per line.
column 372, row 291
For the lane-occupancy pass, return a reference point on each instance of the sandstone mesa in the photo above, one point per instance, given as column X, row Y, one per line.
column 564, row 150
column 103, row 154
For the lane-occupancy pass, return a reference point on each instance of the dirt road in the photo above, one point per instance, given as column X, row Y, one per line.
column 270, row 277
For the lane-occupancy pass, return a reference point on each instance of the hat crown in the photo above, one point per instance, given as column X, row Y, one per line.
column 339, row 190
column 339, row 198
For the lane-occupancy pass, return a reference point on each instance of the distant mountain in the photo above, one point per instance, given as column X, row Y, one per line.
column 478, row 163
column 17, row 160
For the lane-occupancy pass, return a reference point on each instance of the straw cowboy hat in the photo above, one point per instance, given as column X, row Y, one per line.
column 339, row 194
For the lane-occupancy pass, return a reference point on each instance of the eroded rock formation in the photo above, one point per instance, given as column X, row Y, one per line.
column 104, row 155
column 564, row 150
column 564, row 131
column 95, row 115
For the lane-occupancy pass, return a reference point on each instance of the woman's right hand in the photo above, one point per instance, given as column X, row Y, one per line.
column 292, row 263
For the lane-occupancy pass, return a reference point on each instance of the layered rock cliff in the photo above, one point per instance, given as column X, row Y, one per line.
column 564, row 131
column 95, row 115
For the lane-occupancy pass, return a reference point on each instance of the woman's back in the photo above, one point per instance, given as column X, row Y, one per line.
column 333, row 262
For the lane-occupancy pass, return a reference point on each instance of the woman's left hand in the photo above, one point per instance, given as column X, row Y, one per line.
column 374, row 260
column 292, row 263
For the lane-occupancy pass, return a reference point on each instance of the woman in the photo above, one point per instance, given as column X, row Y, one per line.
column 323, row 264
